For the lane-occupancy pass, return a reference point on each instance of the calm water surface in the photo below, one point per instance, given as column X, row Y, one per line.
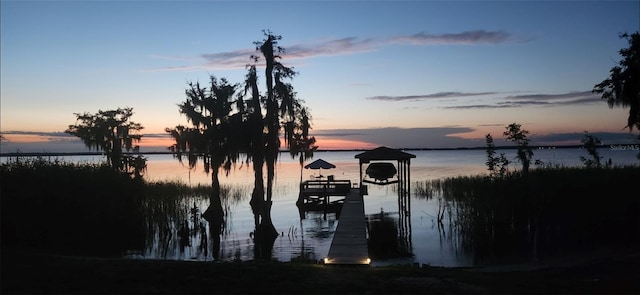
column 310, row 237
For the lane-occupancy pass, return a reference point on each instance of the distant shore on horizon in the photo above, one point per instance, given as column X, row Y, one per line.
column 635, row 147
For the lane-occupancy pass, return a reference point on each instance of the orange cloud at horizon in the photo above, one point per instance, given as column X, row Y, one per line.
column 156, row 142
column 29, row 138
column 323, row 143
column 328, row 143
column 161, row 142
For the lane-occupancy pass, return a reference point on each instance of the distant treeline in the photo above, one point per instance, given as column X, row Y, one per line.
column 635, row 147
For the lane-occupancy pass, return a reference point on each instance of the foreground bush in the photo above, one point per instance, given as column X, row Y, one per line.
column 548, row 212
column 80, row 209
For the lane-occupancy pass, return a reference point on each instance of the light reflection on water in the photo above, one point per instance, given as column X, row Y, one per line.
column 310, row 238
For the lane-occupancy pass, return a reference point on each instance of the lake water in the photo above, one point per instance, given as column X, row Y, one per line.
column 310, row 237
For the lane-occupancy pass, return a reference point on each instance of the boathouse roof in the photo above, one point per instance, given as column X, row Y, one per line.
column 383, row 153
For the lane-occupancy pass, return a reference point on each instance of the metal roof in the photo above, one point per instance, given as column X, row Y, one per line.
column 384, row 153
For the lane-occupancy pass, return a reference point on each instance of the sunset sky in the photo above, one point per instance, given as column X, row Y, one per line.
column 404, row 74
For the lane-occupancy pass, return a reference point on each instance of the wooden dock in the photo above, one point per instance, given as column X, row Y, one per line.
column 349, row 244
column 315, row 195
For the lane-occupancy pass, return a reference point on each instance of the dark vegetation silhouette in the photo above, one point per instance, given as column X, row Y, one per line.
column 111, row 131
column 227, row 125
column 548, row 213
column 301, row 144
column 591, row 144
column 516, row 134
column 210, row 139
column 622, row 87
column 497, row 165
column 283, row 111
column 67, row 208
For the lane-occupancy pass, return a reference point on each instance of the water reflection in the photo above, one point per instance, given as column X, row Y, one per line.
column 463, row 231
column 429, row 227
column 388, row 238
column 179, row 228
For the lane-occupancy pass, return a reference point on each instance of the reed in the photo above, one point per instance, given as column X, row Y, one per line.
column 89, row 209
column 80, row 209
column 550, row 211
column 173, row 217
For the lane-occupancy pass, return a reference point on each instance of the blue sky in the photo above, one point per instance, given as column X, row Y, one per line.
column 394, row 73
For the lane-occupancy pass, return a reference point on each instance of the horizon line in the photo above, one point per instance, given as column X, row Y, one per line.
column 504, row 147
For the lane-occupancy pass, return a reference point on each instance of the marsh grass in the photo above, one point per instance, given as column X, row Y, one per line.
column 82, row 209
column 549, row 212
column 90, row 209
column 174, row 220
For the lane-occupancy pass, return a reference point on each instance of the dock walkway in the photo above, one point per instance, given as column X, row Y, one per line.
column 315, row 195
column 349, row 244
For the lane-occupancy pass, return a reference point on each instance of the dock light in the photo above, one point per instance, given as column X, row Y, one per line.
column 326, row 260
column 367, row 261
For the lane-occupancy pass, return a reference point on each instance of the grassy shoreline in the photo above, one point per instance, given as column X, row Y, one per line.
column 29, row 273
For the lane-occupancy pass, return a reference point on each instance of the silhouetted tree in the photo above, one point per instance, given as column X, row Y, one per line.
column 111, row 131
column 257, row 141
column 515, row 134
column 208, row 140
column 497, row 165
column 283, row 110
column 622, row 88
column 224, row 128
column 300, row 143
column 591, row 144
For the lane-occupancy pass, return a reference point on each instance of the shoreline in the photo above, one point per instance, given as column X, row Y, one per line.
column 29, row 273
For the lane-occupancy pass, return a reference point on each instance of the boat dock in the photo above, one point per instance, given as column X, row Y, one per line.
column 349, row 244
column 315, row 195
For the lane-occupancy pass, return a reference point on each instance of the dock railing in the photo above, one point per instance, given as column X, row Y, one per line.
column 331, row 187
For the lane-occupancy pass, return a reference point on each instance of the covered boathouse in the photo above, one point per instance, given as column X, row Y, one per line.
column 381, row 155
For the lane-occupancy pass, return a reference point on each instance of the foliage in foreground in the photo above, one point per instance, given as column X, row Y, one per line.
column 84, row 209
column 548, row 212
column 94, row 210
column 621, row 88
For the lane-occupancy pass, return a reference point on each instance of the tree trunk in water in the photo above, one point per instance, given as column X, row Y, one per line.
column 257, row 196
column 301, row 163
column 214, row 213
column 265, row 231
column 257, row 152
column 268, row 230
column 115, row 156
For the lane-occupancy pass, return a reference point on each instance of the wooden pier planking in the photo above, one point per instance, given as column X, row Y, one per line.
column 349, row 244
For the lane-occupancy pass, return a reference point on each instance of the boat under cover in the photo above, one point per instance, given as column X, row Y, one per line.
column 381, row 171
